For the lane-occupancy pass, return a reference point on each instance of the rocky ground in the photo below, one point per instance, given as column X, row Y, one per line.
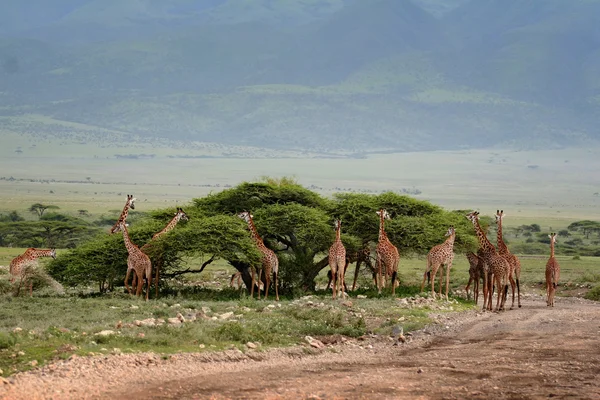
column 532, row 352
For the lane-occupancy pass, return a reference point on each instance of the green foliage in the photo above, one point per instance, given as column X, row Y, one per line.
column 7, row 340
column 292, row 220
column 56, row 231
column 12, row 216
column 593, row 294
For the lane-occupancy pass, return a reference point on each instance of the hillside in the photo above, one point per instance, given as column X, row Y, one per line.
column 326, row 75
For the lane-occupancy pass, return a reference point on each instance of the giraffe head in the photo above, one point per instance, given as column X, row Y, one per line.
column 53, row 253
column 383, row 213
column 451, row 231
column 337, row 224
column 552, row 237
column 245, row 215
column 130, row 201
column 473, row 216
column 181, row 214
column 499, row 215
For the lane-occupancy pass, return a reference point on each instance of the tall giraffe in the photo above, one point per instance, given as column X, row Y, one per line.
column 22, row 266
column 337, row 261
column 387, row 254
column 149, row 247
column 513, row 261
column 496, row 264
column 138, row 262
column 440, row 256
column 552, row 273
column 269, row 261
column 130, row 203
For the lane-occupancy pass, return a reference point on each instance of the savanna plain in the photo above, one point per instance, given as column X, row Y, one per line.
column 214, row 341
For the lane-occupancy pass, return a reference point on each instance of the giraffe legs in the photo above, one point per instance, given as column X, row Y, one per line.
column 448, row 278
column 441, row 269
column 512, row 285
column 434, row 274
column 126, row 279
column 267, row 283
column 476, row 288
column 379, row 276
column 276, row 281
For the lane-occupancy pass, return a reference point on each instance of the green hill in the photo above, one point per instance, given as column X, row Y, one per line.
column 332, row 75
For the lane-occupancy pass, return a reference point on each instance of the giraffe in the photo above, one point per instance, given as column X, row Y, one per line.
column 337, row 261
column 513, row 261
column 440, row 256
column 552, row 273
column 148, row 247
column 22, row 265
column 138, row 262
column 361, row 256
column 495, row 264
column 130, row 203
column 476, row 273
column 387, row 254
column 269, row 261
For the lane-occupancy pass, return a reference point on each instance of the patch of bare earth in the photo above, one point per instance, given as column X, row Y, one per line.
column 528, row 353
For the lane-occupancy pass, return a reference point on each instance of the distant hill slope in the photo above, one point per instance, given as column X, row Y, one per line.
column 333, row 75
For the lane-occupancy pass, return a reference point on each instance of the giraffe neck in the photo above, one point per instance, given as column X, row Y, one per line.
column 449, row 242
column 35, row 253
column 131, row 247
column 254, row 233
column 122, row 217
column 551, row 248
column 382, row 235
column 484, row 243
column 502, row 248
column 169, row 227
column 338, row 234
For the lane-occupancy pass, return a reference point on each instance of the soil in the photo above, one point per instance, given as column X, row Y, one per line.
column 529, row 353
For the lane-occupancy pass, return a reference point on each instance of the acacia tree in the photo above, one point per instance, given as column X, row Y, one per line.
column 293, row 221
column 39, row 209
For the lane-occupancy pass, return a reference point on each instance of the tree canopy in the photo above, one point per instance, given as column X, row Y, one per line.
column 295, row 222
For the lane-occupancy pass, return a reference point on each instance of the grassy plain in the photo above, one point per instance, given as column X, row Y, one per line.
column 551, row 188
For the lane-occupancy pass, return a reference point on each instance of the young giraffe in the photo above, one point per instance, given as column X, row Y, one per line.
column 387, row 254
column 123, row 217
column 476, row 273
column 337, row 261
column 269, row 261
column 440, row 256
column 496, row 264
column 513, row 261
column 21, row 266
column 138, row 262
column 552, row 273
column 148, row 247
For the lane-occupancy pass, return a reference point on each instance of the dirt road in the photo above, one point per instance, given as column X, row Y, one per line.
column 529, row 353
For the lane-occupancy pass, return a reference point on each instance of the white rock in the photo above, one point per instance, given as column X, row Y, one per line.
column 106, row 332
column 226, row 315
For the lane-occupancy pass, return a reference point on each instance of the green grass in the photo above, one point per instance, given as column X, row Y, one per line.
column 43, row 329
column 54, row 327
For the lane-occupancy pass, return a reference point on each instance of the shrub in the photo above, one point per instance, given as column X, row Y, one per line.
column 593, row 294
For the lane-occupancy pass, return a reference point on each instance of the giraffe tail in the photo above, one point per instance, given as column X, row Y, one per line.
column 554, row 283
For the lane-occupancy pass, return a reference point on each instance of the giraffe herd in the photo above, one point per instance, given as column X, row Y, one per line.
column 497, row 268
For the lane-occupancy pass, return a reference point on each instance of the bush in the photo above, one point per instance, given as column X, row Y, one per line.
column 7, row 340
column 593, row 294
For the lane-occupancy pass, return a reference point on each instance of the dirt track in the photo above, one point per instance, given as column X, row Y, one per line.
column 532, row 352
